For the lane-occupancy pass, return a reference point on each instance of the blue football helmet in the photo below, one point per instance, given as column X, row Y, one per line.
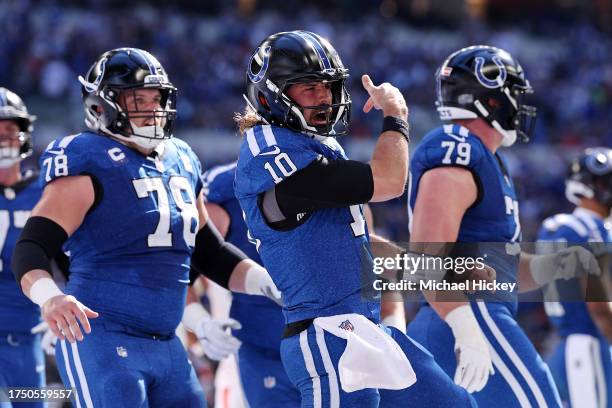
column 13, row 108
column 590, row 176
column 288, row 58
column 117, row 71
column 486, row 82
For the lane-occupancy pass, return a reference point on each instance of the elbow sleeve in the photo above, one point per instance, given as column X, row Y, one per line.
column 213, row 257
column 40, row 241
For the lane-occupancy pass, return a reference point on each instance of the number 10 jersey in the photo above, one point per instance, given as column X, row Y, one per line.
column 322, row 263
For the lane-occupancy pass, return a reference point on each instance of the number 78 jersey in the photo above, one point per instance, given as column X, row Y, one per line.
column 321, row 260
column 136, row 240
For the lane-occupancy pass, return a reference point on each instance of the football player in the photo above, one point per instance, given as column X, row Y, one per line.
column 262, row 375
column 302, row 198
column 22, row 362
column 124, row 198
column 581, row 363
column 261, row 371
column 461, row 191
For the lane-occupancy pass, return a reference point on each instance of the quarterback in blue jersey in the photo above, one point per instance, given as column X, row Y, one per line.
column 21, row 358
column 461, row 191
column 262, row 375
column 581, row 363
column 301, row 199
column 125, row 199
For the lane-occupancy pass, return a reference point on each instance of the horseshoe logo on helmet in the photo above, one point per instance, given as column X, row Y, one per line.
column 256, row 77
column 498, row 82
column 92, row 87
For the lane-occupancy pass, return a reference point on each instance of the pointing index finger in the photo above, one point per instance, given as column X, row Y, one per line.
column 367, row 82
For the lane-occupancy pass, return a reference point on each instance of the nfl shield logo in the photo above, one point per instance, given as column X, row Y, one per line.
column 270, row 382
column 347, row 325
column 446, row 71
column 121, row 352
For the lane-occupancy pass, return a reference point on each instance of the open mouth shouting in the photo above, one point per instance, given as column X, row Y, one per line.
column 320, row 117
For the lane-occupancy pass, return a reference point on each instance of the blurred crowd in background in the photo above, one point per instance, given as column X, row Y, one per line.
column 564, row 47
column 46, row 44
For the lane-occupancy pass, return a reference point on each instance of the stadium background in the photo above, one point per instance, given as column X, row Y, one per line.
column 563, row 45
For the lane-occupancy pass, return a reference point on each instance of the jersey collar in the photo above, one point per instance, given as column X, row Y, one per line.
column 586, row 212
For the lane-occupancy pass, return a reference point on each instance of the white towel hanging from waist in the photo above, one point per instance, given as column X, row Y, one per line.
column 372, row 359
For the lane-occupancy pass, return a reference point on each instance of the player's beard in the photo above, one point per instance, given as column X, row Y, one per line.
column 320, row 117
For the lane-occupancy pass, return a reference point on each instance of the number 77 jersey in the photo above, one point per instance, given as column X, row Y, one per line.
column 129, row 259
column 320, row 260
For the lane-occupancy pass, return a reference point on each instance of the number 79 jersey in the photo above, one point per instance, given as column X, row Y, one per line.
column 492, row 222
column 129, row 259
column 323, row 261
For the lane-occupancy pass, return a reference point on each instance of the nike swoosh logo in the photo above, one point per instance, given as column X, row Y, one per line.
column 61, row 151
column 275, row 151
column 457, row 138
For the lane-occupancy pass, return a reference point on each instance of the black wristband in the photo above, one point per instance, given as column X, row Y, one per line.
column 397, row 125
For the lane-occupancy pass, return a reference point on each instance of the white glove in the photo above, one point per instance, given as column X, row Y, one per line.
column 258, row 282
column 569, row 263
column 48, row 340
column 473, row 359
column 214, row 335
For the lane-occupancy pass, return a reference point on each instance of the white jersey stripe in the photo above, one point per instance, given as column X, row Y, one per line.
column 253, row 146
column 505, row 372
column 81, row 375
column 66, row 141
column 310, row 367
column 69, row 372
column 268, row 135
column 334, row 391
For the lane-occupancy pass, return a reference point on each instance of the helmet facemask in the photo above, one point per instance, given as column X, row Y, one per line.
column 16, row 139
column 117, row 118
column 338, row 112
column 114, row 106
column 524, row 118
column 148, row 135
column 296, row 57
column 14, row 148
column 509, row 114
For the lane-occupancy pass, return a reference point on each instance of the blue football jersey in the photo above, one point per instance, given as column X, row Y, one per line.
column 17, row 312
column 491, row 225
column 580, row 227
column 261, row 319
column 129, row 259
column 323, row 266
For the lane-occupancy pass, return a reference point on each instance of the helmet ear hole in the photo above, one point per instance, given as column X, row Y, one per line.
column 263, row 101
column 493, row 103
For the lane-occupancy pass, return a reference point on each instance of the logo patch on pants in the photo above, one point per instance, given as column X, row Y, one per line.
column 347, row 325
column 269, row 381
